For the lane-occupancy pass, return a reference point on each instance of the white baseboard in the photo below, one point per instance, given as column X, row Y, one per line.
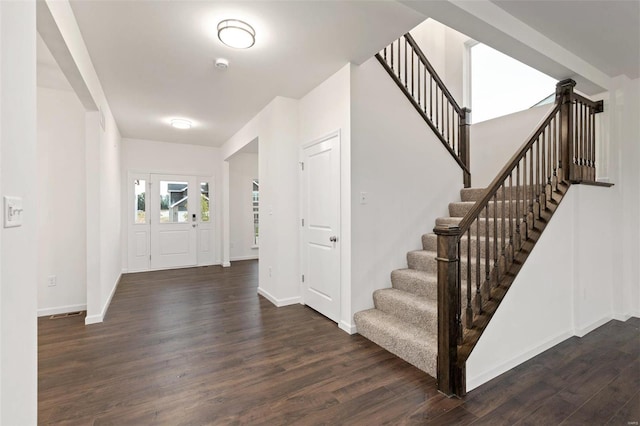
column 95, row 319
column 349, row 328
column 45, row 312
column 250, row 257
column 278, row 302
column 226, row 264
column 482, row 378
column 582, row 331
column 622, row 317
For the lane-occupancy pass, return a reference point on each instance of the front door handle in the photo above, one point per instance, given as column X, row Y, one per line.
column 333, row 239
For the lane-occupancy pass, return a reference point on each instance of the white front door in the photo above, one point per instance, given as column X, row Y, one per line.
column 321, row 226
column 174, row 202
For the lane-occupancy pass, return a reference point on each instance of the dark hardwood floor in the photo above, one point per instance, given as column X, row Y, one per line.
column 199, row 346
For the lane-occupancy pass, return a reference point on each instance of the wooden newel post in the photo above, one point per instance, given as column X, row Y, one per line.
column 465, row 149
column 564, row 94
column 451, row 375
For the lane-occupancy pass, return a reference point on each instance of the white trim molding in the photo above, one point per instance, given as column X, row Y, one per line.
column 250, row 257
column 45, row 312
column 279, row 302
column 474, row 382
column 349, row 328
column 582, row 331
column 95, row 319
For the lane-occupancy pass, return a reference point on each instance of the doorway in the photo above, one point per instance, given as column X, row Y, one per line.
column 171, row 225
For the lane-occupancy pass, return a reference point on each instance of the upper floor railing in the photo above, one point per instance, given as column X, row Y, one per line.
column 474, row 256
column 409, row 68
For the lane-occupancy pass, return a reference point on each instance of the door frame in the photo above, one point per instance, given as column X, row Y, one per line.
column 133, row 174
column 302, row 264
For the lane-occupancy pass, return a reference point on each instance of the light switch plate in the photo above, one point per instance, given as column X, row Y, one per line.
column 12, row 211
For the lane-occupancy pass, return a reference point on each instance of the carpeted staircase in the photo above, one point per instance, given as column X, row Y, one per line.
column 405, row 318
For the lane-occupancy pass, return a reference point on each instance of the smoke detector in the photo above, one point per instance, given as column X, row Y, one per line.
column 222, row 64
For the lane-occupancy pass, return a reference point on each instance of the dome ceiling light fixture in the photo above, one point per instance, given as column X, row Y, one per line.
column 237, row 34
column 180, row 123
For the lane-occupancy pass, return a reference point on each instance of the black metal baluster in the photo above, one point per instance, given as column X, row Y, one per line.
column 518, row 236
column 511, row 207
column 424, row 89
column 391, row 53
column 593, row 144
column 478, row 262
column 437, row 109
column 537, row 174
column 495, row 236
column 406, row 81
column 532, row 188
column 469, row 312
column 431, row 97
column 399, row 61
column 419, row 66
column 503, row 221
column 525, row 196
column 488, row 252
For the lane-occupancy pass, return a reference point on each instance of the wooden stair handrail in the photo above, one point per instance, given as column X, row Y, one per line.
column 451, row 129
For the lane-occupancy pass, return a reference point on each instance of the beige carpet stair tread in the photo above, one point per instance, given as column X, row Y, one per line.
column 415, row 345
column 420, row 283
column 408, row 307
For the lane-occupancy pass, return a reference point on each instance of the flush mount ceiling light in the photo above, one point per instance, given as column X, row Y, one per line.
column 180, row 123
column 237, row 34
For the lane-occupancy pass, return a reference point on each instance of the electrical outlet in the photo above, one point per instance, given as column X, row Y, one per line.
column 52, row 281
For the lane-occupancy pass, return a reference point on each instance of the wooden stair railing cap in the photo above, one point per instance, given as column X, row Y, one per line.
column 447, row 230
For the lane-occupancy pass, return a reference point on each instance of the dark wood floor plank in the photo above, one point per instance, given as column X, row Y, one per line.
column 629, row 414
column 604, row 405
column 199, row 346
column 457, row 416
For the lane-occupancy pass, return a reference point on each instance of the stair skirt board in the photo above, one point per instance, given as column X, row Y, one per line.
column 404, row 317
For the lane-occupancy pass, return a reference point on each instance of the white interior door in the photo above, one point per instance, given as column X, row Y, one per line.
column 174, row 206
column 321, row 226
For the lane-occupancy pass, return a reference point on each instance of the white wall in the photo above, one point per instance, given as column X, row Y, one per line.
column 147, row 156
column 324, row 110
column 102, row 156
column 243, row 169
column 564, row 288
column 62, row 200
column 18, row 177
column 623, row 110
column 408, row 174
column 276, row 128
column 494, row 142
column 444, row 48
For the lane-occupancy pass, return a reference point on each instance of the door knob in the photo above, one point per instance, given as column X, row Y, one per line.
column 333, row 239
